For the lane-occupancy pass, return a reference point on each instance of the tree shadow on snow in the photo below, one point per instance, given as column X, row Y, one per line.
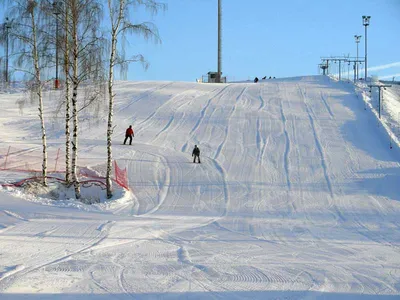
column 365, row 132
column 380, row 182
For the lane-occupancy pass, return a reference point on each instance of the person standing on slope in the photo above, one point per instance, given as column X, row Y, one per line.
column 129, row 134
column 196, row 153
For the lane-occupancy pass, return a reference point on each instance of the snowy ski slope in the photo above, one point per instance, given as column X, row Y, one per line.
column 297, row 197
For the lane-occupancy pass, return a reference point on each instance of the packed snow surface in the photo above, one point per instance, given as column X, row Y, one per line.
column 297, row 197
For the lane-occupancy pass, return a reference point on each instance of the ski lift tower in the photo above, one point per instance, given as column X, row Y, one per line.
column 324, row 67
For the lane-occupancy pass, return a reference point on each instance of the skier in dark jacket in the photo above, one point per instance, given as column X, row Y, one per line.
column 129, row 134
column 196, row 153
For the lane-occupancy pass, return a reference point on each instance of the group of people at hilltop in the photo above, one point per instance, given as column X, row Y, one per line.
column 129, row 134
column 265, row 77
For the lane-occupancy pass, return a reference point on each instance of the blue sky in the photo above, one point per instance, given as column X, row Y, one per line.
column 278, row 38
column 267, row 38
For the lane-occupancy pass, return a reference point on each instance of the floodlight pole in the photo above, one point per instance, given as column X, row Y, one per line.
column 219, row 72
column 56, row 13
column 7, row 26
column 366, row 24
column 357, row 39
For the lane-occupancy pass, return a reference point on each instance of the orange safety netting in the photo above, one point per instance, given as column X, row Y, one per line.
column 30, row 159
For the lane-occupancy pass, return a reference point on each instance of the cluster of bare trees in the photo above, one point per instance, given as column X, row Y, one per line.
column 89, row 36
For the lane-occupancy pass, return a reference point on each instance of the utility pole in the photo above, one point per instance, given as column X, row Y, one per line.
column 219, row 75
column 366, row 24
column 380, row 86
column 56, row 11
column 357, row 39
column 7, row 26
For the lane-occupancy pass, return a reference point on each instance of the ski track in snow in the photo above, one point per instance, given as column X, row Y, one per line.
column 226, row 130
column 145, row 95
column 204, row 110
column 287, row 147
column 323, row 97
column 14, row 215
column 318, row 144
column 50, row 259
column 282, row 205
column 261, row 140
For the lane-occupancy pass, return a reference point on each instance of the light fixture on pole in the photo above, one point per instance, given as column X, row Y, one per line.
column 366, row 24
column 357, row 39
column 56, row 12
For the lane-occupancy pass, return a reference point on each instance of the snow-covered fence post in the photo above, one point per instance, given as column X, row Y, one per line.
column 55, row 167
column 5, row 163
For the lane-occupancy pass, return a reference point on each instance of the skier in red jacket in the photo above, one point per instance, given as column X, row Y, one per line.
column 129, row 134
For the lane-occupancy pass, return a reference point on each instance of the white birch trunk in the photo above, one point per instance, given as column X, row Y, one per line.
column 110, row 118
column 67, row 133
column 67, row 103
column 114, row 32
column 38, row 85
column 75, row 176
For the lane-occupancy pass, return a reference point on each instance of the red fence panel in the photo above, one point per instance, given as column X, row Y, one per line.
column 30, row 159
column 121, row 176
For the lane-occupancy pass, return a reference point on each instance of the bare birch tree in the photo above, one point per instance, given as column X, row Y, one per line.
column 27, row 35
column 59, row 12
column 85, row 18
column 119, row 14
column 67, row 97
column 82, row 61
column 31, row 9
column 75, row 83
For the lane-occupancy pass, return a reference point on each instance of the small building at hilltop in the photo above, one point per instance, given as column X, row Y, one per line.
column 211, row 77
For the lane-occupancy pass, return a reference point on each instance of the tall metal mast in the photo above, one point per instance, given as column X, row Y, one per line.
column 219, row 76
column 366, row 24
